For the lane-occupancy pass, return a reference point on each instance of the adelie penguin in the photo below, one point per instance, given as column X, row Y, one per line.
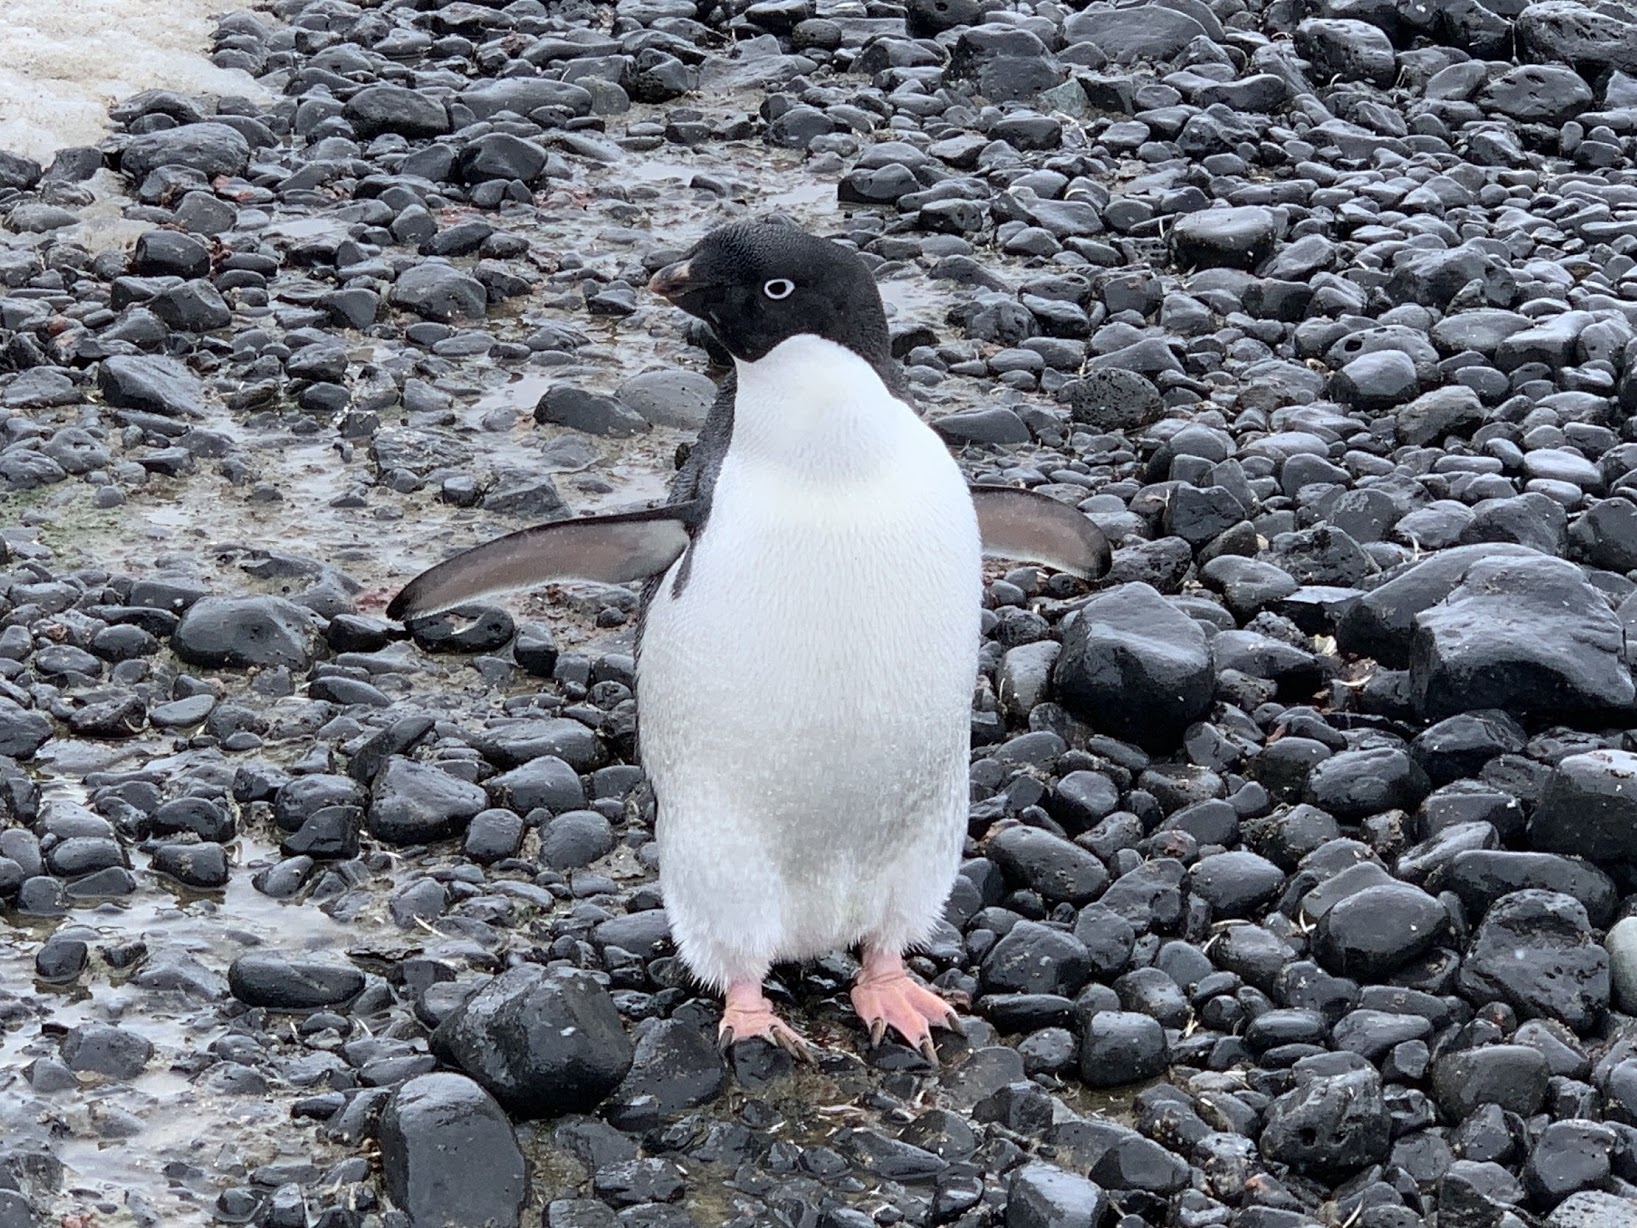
column 809, row 640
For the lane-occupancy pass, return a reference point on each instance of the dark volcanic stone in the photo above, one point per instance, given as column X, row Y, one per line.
column 201, row 865
column 1355, row 784
column 1032, row 958
column 151, row 383
column 1112, row 399
column 413, row 803
column 1570, row 1155
column 543, row 1042
column 677, row 1065
column 1352, row 50
column 1150, row 32
column 211, row 149
column 1534, row 952
column 1120, row 1047
column 1589, row 808
column 450, row 1156
column 395, row 108
column 1459, row 746
column 1329, row 1124
column 1238, row 238
column 1048, row 864
column 1511, row 1076
column 1118, row 1158
column 1381, row 624
column 299, row 799
column 1235, row 884
column 97, row 1048
column 1045, row 1196
column 1523, row 634
column 170, row 253
column 595, row 413
column 468, row 628
column 238, row 632
column 1135, row 666
column 1592, row 37
column 1376, row 931
column 440, row 292
column 1482, row 876
column 281, row 982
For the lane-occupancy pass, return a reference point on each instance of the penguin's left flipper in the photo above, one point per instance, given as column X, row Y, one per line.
column 612, row 549
column 1027, row 527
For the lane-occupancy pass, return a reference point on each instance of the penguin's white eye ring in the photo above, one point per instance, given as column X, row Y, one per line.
column 779, row 288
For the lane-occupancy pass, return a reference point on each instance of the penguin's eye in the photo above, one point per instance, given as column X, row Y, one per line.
column 779, row 288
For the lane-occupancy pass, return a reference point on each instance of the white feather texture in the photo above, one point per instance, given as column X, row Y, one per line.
column 805, row 702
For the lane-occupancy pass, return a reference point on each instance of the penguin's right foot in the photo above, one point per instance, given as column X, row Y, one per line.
column 747, row 1014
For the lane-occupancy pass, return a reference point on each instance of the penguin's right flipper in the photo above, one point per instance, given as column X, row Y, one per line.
column 1025, row 526
column 613, row 549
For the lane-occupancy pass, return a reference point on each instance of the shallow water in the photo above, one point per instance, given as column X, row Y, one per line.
column 62, row 62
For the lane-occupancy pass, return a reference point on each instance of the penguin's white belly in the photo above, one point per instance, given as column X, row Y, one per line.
column 805, row 706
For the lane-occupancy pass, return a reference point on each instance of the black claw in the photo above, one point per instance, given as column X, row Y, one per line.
column 878, row 1030
column 930, row 1052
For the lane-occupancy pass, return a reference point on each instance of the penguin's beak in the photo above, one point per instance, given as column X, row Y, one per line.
column 672, row 281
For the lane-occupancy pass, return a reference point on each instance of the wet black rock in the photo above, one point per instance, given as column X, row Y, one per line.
column 1112, row 399
column 1482, row 876
column 97, row 1048
column 240, row 632
column 394, row 108
column 449, row 1155
column 413, row 803
column 1055, row 868
column 438, row 291
column 675, row 1067
column 151, row 383
column 1382, row 623
column 1526, row 635
column 1354, row 784
column 594, row 413
column 473, row 627
column 1571, row 1155
column 1032, row 958
column 1235, row 884
column 286, row 982
column 1376, row 931
column 212, row 149
column 1589, row 808
column 1121, row 1047
column 1045, row 1196
column 1332, row 1123
column 1135, row 666
column 1534, row 952
column 1116, row 1157
column 1514, row 1077
column 1589, row 37
column 203, row 866
column 541, row 1041
column 1239, row 238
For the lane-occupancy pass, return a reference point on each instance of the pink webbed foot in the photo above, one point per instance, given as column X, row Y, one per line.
column 885, row 996
column 747, row 1014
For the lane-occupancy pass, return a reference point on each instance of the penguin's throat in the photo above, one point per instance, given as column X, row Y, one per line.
column 817, row 408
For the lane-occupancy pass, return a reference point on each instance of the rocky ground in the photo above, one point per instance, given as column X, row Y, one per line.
column 1302, row 885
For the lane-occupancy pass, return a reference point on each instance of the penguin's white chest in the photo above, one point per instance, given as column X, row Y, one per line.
column 804, row 700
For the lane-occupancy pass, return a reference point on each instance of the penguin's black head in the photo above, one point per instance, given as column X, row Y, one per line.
column 762, row 282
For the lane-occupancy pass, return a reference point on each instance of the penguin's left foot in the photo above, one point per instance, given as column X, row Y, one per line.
column 885, row 996
column 747, row 1014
